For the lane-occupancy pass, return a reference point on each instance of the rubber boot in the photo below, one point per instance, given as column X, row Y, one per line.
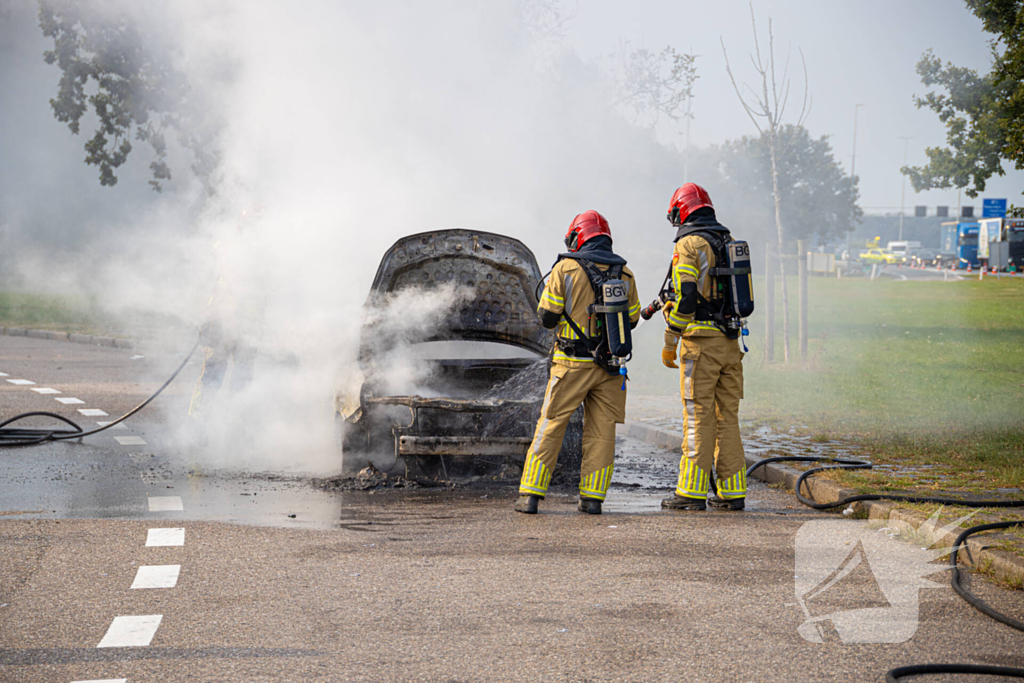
column 677, row 502
column 726, row 503
column 527, row 504
column 592, row 506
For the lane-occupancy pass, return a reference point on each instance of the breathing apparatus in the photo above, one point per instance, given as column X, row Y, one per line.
column 732, row 290
column 607, row 339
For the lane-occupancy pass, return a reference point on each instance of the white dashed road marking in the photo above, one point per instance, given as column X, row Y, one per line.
column 165, row 503
column 104, row 680
column 45, row 390
column 165, row 537
column 157, row 576
column 111, row 422
column 68, row 401
column 131, row 631
column 21, row 382
column 92, row 412
column 130, row 440
column 3, row 374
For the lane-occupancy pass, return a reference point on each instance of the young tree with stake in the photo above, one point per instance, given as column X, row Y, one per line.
column 766, row 110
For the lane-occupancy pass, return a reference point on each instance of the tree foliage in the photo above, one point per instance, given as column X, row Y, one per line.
column 124, row 71
column 655, row 83
column 983, row 114
column 818, row 201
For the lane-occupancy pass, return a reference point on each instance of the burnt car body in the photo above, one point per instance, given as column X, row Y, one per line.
column 469, row 413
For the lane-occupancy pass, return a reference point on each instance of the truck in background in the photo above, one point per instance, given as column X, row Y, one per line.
column 959, row 244
column 1001, row 242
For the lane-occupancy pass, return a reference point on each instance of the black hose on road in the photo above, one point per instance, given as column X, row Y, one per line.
column 955, row 578
column 896, row 674
column 851, row 464
column 11, row 436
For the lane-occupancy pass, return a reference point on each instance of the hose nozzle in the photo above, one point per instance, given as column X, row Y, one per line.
column 655, row 306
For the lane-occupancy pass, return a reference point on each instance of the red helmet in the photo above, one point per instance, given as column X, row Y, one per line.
column 586, row 225
column 686, row 200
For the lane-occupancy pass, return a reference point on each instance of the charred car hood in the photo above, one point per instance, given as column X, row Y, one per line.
column 501, row 272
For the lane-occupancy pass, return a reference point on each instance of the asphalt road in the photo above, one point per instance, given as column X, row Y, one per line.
column 399, row 585
column 905, row 273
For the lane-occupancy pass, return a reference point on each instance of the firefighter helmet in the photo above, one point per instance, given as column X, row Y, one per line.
column 586, row 225
column 686, row 200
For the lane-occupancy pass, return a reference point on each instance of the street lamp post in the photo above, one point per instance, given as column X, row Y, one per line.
column 853, row 172
column 903, row 192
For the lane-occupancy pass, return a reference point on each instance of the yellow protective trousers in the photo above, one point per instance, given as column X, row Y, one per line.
column 604, row 405
column 215, row 367
column 711, row 383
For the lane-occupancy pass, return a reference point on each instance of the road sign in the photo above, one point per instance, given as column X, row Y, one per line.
column 993, row 208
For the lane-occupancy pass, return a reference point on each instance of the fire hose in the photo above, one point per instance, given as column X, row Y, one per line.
column 896, row 674
column 12, row 436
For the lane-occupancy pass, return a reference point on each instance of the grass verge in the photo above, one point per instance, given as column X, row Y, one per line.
column 927, row 377
column 77, row 314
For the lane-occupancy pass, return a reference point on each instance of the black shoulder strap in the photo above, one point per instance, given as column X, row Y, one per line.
column 594, row 274
column 717, row 242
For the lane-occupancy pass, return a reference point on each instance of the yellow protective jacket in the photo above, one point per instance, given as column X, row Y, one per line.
column 568, row 289
column 691, row 261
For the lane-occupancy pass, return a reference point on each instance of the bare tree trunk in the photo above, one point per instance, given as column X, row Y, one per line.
column 801, row 248
column 769, row 304
column 782, row 257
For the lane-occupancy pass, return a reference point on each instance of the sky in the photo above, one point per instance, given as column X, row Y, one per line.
column 862, row 52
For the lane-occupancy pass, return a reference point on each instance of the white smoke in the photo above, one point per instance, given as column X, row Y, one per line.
column 352, row 126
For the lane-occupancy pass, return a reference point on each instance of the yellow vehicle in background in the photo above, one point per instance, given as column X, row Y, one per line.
column 880, row 256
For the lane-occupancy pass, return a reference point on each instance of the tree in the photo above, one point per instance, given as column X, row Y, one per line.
column 136, row 91
column 818, row 200
column 983, row 114
column 766, row 110
column 657, row 84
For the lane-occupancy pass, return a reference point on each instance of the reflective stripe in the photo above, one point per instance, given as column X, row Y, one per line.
column 536, row 476
column 690, row 444
column 568, row 295
column 703, row 271
column 680, row 321
column 559, row 355
column 564, row 330
column 544, row 414
column 688, row 385
column 595, row 484
column 552, row 298
column 699, row 325
column 686, row 268
column 634, row 309
column 693, row 481
column 733, row 487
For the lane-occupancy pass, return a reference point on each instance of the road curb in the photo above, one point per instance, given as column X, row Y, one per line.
column 69, row 337
column 976, row 551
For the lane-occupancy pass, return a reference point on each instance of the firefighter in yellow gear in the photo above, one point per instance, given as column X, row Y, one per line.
column 234, row 317
column 710, row 362
column 577, row 376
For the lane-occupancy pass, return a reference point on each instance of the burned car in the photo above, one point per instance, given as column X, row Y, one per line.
column 456, row 392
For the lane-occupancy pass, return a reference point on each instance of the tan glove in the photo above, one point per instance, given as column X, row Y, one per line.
column 668, row 354
column 666, row 309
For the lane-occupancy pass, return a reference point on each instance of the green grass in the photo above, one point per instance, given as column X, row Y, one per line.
column 917, row 373
column 51, row 312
